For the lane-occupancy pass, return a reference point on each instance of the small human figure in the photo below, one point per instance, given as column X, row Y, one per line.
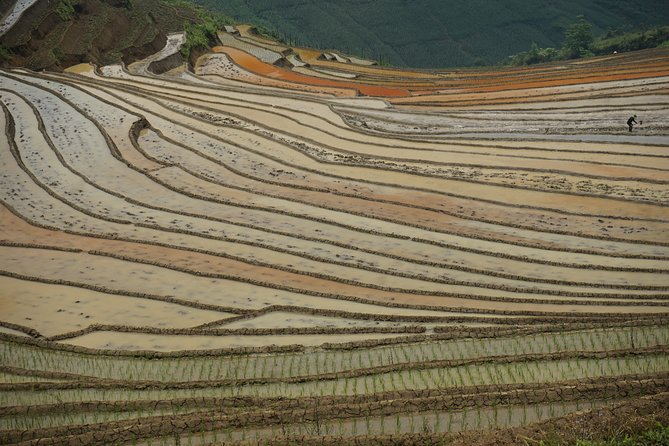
column 631, row 121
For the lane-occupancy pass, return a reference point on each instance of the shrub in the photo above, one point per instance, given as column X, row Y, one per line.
column 58, row 54
column 535, row 55
column 65, row 10
column 5, row 54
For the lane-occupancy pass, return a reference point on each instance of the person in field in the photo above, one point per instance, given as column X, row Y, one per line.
column 631, row 121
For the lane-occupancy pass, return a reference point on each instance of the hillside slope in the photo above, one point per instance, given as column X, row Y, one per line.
column 52, row 35
column 436, row 33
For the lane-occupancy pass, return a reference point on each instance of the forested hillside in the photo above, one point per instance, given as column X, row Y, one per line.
column 437, row 33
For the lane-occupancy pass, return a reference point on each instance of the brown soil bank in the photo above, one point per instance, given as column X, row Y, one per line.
column 628, row 418
column 98, row 31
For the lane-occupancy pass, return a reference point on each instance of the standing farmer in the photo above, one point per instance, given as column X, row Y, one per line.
column 631, row 121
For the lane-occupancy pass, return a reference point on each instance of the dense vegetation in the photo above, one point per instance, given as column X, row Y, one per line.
column 580, row 42
column 437, row 33
column 617, row 41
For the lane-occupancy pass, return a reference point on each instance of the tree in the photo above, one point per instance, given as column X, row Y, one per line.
column 578, row 39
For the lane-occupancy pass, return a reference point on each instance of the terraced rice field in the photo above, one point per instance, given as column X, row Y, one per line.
column 330, row 254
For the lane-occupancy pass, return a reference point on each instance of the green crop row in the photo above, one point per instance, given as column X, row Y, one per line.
column 285, row 365
column 28, row 421
column 494, row 373
column 416, row 422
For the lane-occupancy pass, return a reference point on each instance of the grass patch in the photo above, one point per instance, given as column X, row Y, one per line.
column 658, row 435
